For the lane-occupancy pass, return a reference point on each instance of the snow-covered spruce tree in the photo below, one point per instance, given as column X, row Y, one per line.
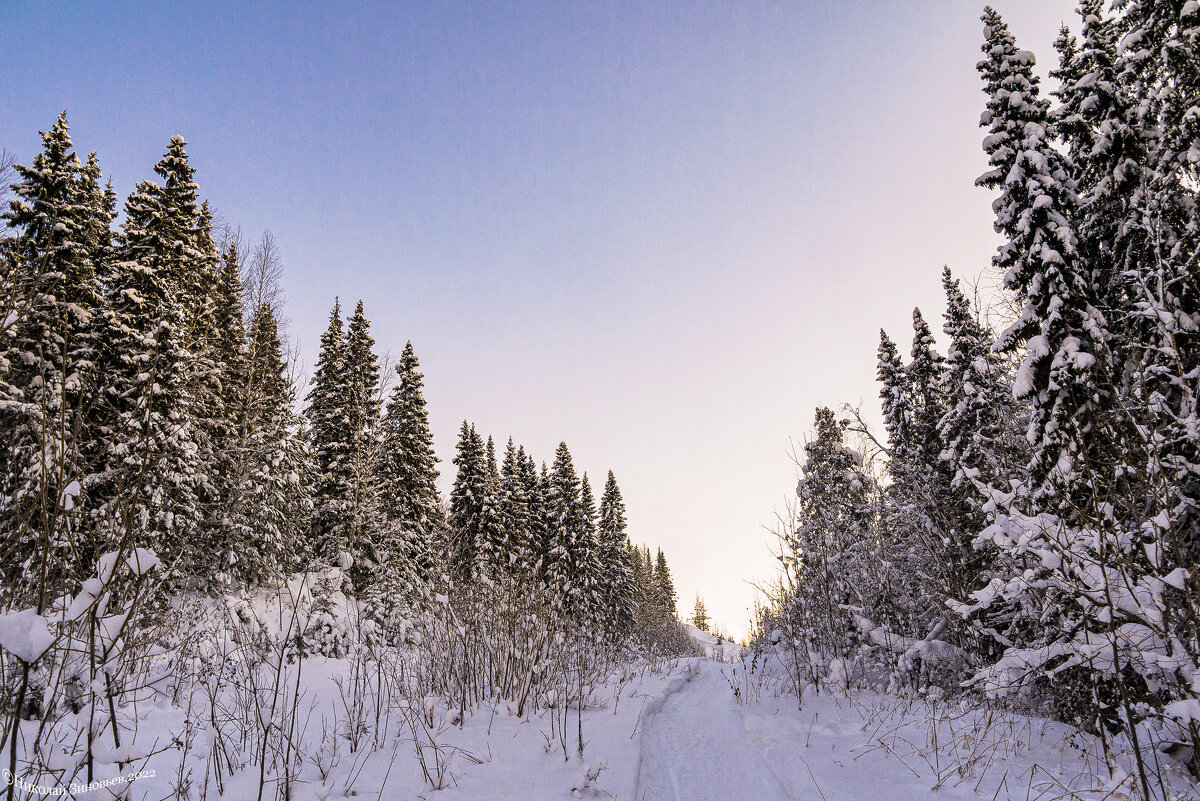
column 229, row 346
column 466, row 526
column 699, row 617
column 656, row 629
column 332, row 443
column 218, row 379
column 937, row 412
column 647, row 604
column 515, row 511
column 921, row 533
column 1158, row 62
column 1040, row 262
column 268, row 504
column 1068, row 533
column 567, row 572
column 589, row 553
column 150, row 486
column 1135, row 209
column 214, row 424
column 363, row 402
column 1064, row 331
column 829, row 553
column 493, row 465
column 93, row 443
column 409, row 503
column 493, row 541
column 617, row 567
column 265, row 393
column 911, row 523
column 362, row 375
column 895, row 392
column 1159, row 65
column 230, row 330
column 524, row 512
column 1108, row 160
column 666, row 586
column 537, row 485
column 263, row 504
column 901, row 418
column 101, row 202
column 1066, row 122
column 48, row 354
column 925, row 378
column 982, row 432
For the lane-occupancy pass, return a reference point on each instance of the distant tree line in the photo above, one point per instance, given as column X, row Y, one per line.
column 146, row 401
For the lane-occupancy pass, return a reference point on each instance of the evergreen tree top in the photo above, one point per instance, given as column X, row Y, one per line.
column 1037, row 199
column 587, row 505
column 511, row 466
column 408, row 366
column 611, row 524
column 162, row 250
column 564, row 483
column 46, row 209
column 923, row 343
column 894, row 394
column 409, row 390
column 176, row 172
column 358, row 333
column 362, row 373
column 493, row 469
column 90, row 173
column 926, row 367
column 968, row 338
column 330, row 358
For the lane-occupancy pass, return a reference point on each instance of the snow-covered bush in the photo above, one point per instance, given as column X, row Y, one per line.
column 80, row 674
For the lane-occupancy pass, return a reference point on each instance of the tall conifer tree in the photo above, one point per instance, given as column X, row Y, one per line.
column 332, row 437
column 514, row 509
column 467, row 524
column 616, row 566
column 154, row 481
column 48, row 353
column 407, row 474
column 362, row 402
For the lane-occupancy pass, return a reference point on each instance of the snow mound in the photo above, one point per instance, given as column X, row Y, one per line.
column 719, row 651
column 25, row 635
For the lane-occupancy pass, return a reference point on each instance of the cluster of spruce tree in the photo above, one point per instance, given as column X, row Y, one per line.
column 146, row 402
column 376, row 507
column 1034, row 531
column 656, row 619
column 511, row 521
column 377, row 510
column 144, row 397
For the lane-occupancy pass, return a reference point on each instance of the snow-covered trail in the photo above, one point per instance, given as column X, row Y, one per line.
column 697, row 747
column 700, row 744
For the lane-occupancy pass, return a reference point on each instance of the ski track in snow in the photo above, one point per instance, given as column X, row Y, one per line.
column 697, row 747
column 699, row 744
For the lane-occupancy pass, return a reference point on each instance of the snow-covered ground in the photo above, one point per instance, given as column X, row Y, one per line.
column 718, row 650
column 680, row 735
column 492, row 755
column 712, row 727
column 704, row 745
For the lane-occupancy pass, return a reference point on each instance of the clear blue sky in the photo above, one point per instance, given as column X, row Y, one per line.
column 663, row 232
